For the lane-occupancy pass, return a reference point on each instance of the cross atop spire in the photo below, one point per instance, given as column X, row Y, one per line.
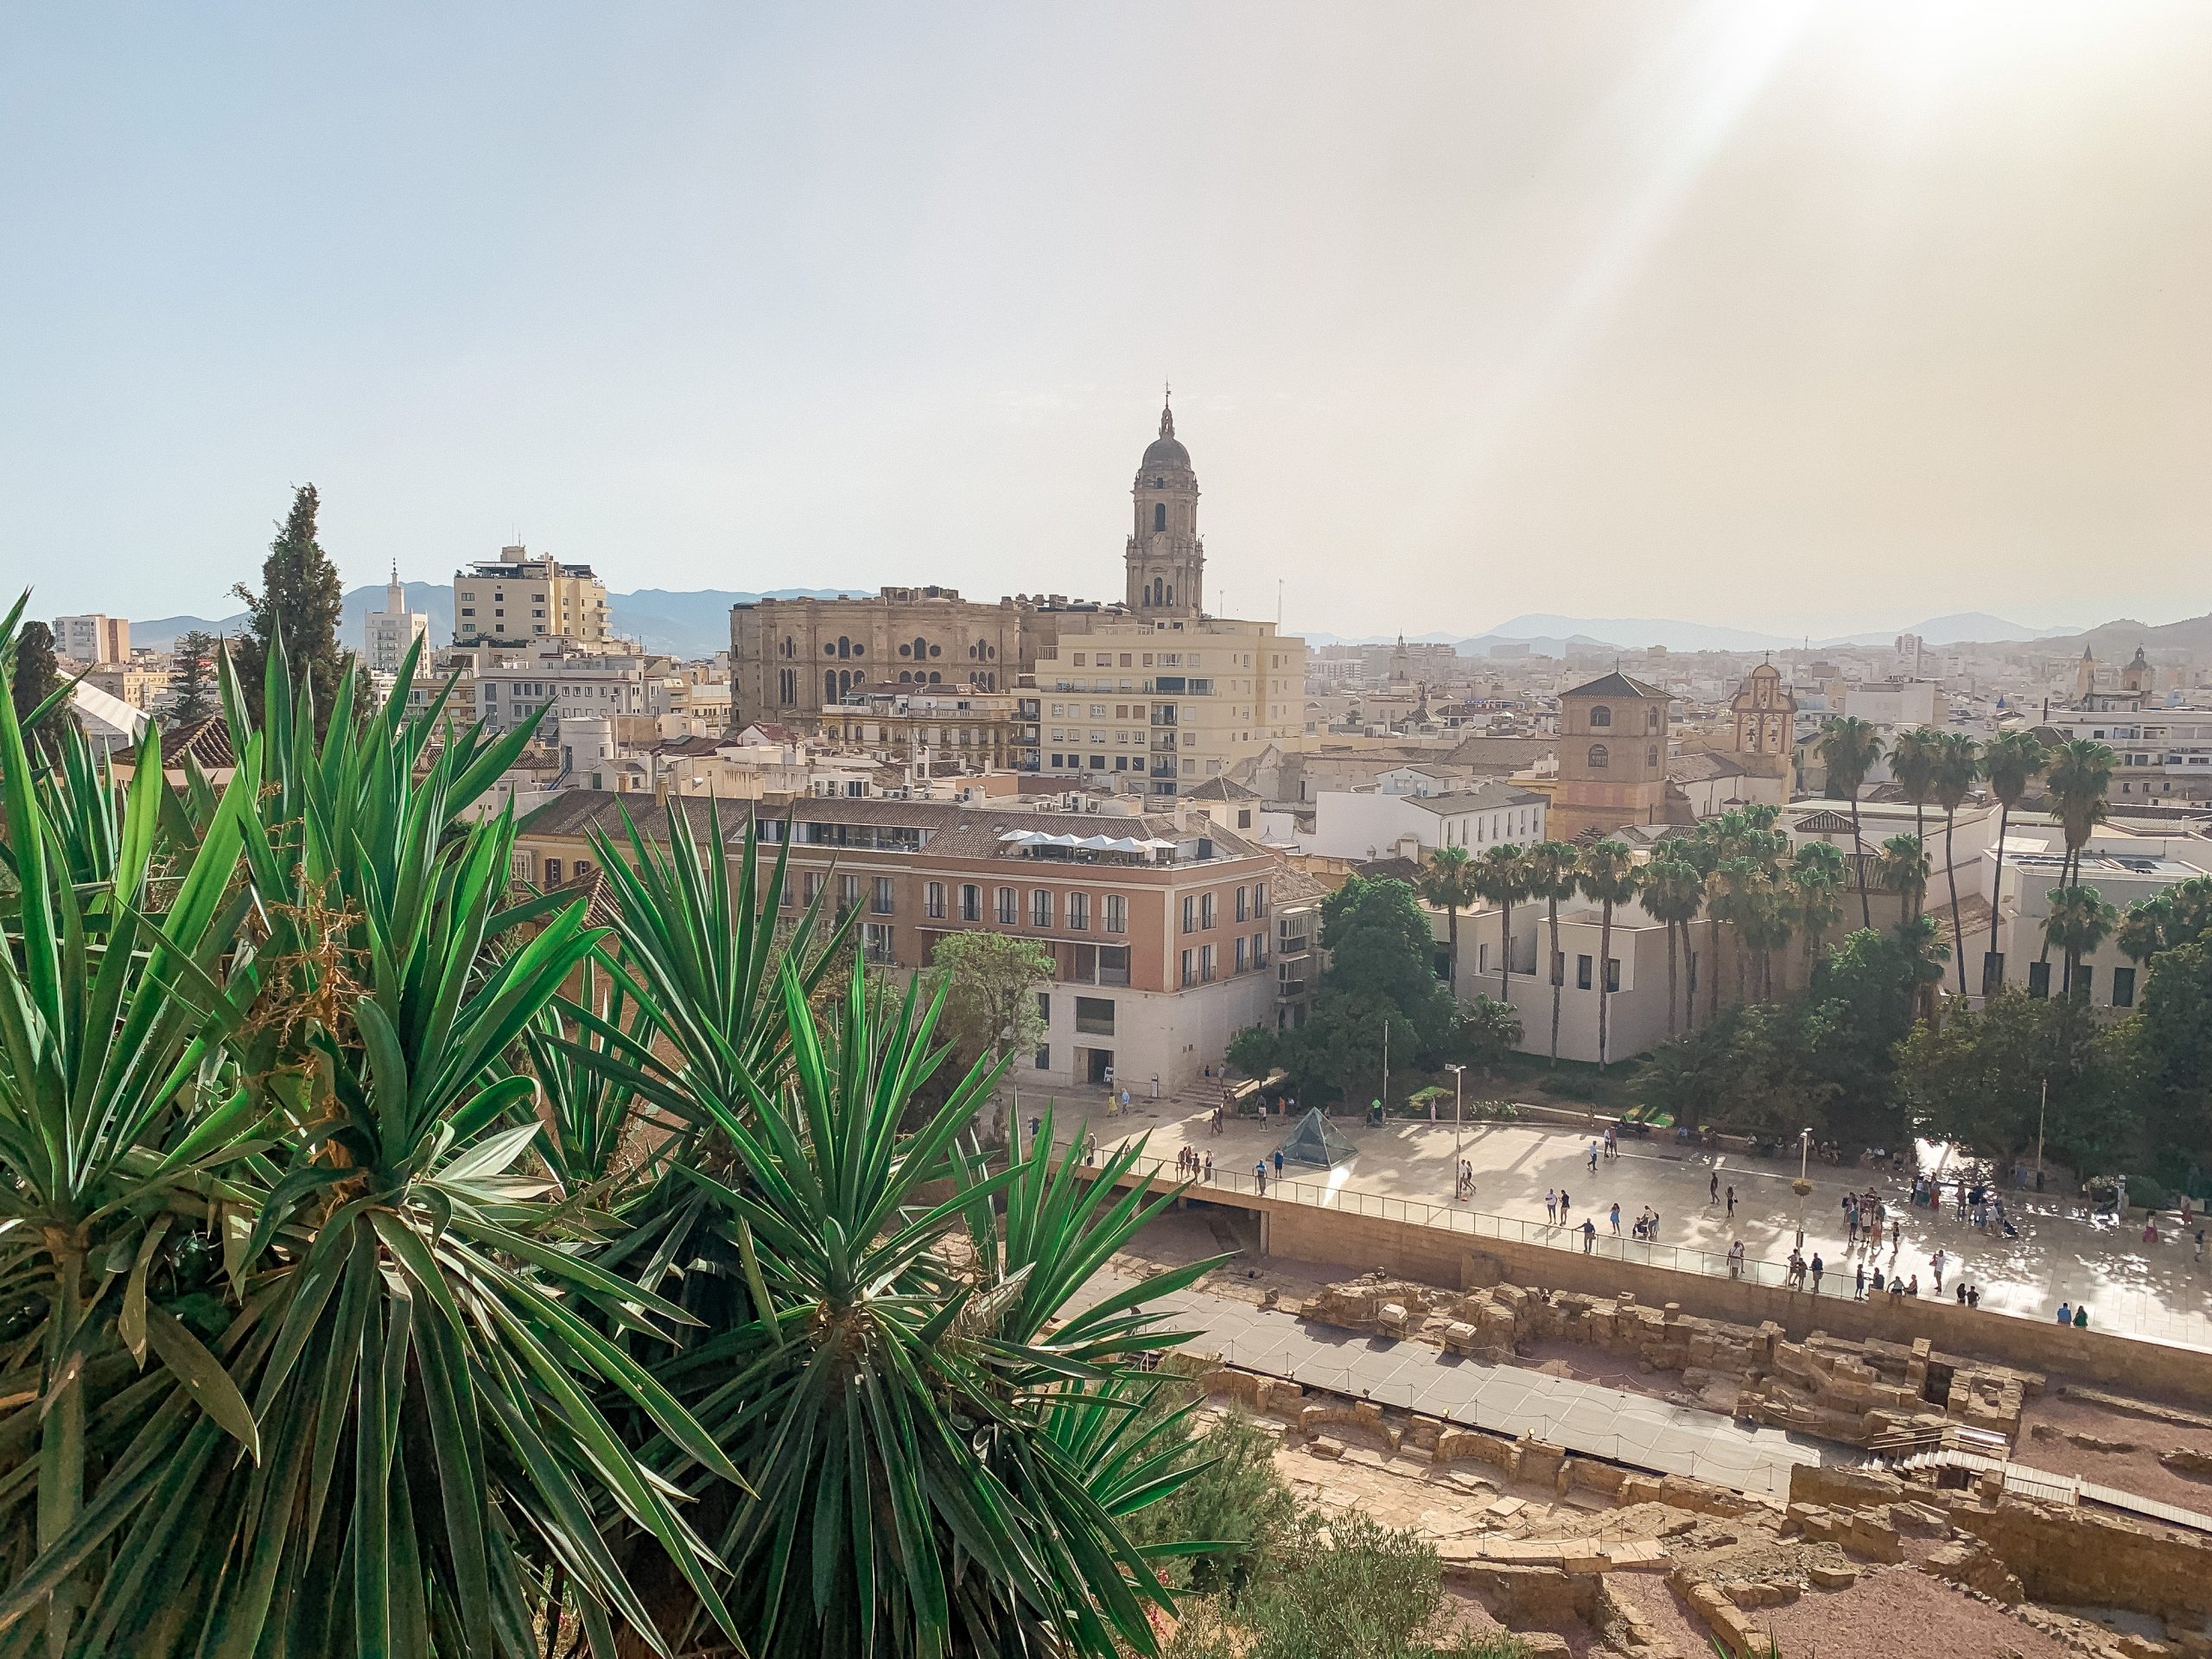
column 1167, row 414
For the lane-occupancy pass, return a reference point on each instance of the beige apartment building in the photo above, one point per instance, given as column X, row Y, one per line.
column 1166, row 934
column 515, row 598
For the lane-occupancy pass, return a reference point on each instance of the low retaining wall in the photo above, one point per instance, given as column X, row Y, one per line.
column 1306, row 1233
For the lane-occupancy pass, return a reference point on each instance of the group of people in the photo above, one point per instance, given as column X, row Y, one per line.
column 1555, row 1204
column 1188, row 1166
column 1464, row 1189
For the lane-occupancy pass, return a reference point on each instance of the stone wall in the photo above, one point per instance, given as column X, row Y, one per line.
column 1832, row 1386
column 1438, row 1257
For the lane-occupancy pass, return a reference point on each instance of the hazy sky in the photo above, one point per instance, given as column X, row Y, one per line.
column 1802, row 319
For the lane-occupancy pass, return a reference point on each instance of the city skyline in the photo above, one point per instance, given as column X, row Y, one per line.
column 1660, row 311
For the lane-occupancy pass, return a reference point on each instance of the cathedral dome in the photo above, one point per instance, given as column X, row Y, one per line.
column 1165, row 450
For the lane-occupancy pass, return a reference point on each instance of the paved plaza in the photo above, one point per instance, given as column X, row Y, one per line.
column 2158, row 1291
column 1586, row 1417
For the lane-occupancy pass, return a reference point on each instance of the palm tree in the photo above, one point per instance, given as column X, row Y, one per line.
column 1700, row 850
column 1815, row 887
column 2079, row 922
column 1501, row 876
column 1552, row 868
column 1609, row 876
column 1849, row 749
column 2012, row 760
column 2146, row 928
column 1957, row 766
column 1924, row 951
column 1449, row 881
column 1731, row 891
column 2080, row 779
column 1902, row 868
column 1673, row 894
column 1912, row 764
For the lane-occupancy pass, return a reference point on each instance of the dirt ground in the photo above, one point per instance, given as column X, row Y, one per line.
column 2137, row 1470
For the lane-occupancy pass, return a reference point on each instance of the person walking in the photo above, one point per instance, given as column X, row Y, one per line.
column 1589, row 1235
column 1859, row 1284
column 1935, row 1261
column 1278, row 1163
column 1713, row 1188
column 1260, row 1176
column 1551, row 1206
column 1617, row 1217
column 1732, row 1204
column 1209, row 1166
column 1562, row 1203
column 1593, row 1157
column 1816, row 1273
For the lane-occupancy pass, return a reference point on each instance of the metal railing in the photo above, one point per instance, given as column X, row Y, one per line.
column 1604, row 1244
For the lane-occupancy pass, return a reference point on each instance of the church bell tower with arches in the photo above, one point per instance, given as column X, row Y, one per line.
column 1166, row 561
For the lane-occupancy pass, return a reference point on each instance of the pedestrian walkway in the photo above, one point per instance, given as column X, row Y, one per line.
column 1403, row 1170
column 1601, row 1422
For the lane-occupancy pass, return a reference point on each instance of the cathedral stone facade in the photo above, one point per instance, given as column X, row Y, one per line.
column 1612, row 757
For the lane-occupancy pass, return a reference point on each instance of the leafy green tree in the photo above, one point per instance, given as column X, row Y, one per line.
column 1380, row 948
column 990, row 992
column 1849, row 748
column 1448, row 880
column 1486, row 1033
column 1234, row 1500
column 1552, row 869
column 1979, row 1079
column 2176, row 1047
column 192, row 681
column 1816, row 876
column 1349, row 1588
column 301, row 599
column 2012, row 761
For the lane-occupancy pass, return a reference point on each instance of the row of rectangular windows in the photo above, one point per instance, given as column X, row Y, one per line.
column 1250, row 955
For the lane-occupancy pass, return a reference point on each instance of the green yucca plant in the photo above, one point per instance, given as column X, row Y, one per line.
column 336, row 1319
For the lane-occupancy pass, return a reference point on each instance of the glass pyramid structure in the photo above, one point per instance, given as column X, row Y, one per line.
column 1314, row 1140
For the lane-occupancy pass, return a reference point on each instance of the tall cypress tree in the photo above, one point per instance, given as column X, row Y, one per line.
column 191, row 684
column 302, row 597
column 33, row 676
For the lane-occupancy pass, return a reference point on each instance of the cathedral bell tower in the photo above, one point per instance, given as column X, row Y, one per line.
column 1166, row 561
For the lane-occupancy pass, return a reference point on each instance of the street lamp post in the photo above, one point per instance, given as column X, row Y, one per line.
column 1803, row 1184
column 1458, row 1081
column 2043, row 1108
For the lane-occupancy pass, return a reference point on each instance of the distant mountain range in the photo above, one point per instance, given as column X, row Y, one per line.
column 1554, row 636
column 693, row 624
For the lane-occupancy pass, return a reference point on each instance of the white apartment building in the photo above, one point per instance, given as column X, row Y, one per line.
column 2164, row 755
column 388, row 634
column 93, row 640
column 1381, row 824
column 1911, row 703
column 514, row 599
column 561, row 687
column 1636, row 1019
column 2125, row 867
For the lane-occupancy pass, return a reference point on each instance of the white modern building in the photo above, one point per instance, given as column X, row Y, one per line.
column 93, row 640
column 1382, row 823
column 387, row 634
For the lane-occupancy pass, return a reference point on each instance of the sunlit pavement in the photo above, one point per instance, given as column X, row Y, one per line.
column 2140, row 1289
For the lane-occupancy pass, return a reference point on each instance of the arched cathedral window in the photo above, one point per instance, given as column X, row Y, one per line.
column 1601, row 716
column 1599, row 757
